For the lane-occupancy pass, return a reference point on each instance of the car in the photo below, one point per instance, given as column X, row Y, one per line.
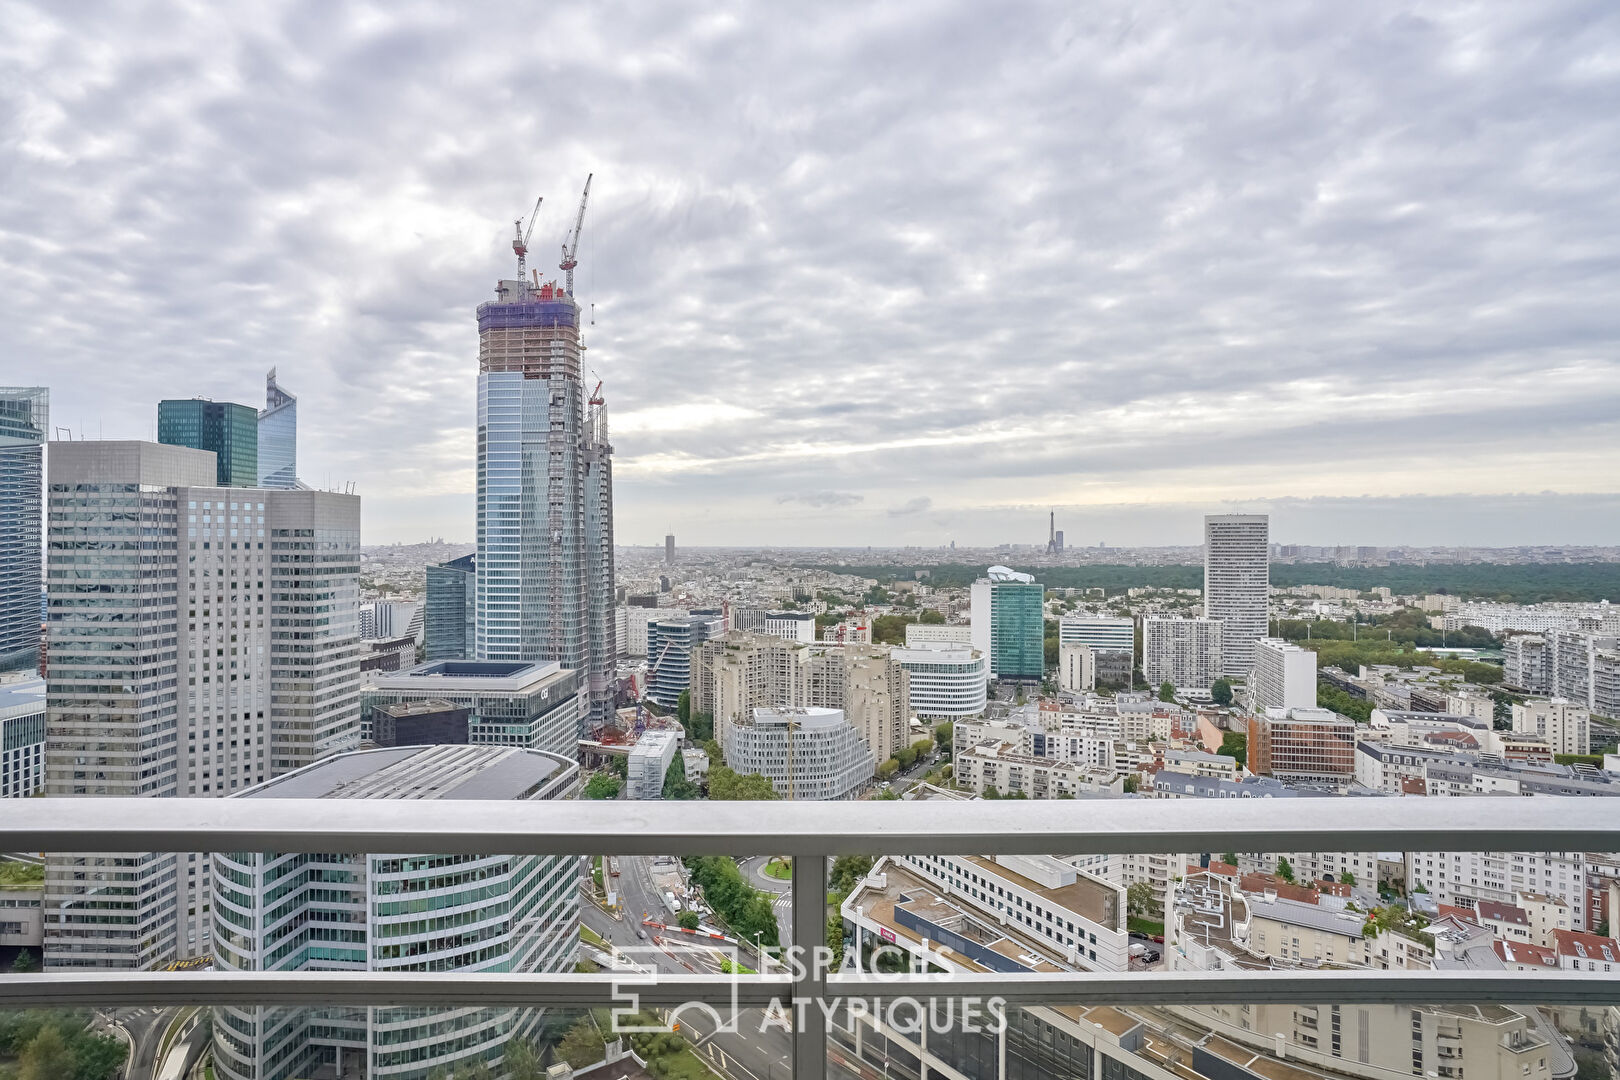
column 642, row 934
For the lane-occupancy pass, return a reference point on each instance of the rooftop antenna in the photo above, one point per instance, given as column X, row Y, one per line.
column 520, row 235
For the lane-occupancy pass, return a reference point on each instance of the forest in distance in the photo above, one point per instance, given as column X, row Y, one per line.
column 1514, row 583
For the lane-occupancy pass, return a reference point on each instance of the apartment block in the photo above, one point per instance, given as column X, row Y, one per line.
column 1185, row 652
column 1237, row 584
column 1283, row 676
column 1565, row 725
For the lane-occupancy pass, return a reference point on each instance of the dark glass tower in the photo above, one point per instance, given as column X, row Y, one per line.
column 230, row 431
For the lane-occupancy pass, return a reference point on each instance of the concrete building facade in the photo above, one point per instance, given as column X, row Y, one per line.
column 1185, row 652
column 1283, row 676
column 806, row 753
column 1237, row 584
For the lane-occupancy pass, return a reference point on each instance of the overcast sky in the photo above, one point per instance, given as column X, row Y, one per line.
column 891, row 273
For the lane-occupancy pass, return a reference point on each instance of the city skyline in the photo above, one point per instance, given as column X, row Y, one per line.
column 1163, row 292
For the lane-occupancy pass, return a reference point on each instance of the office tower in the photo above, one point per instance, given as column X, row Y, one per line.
column 1183, row 652
column 669, row 549
column 1303, row 744
column 1283, row 677
column 278, row 437
column 452, row 596
column 1237, row 584
column 1008, row 624
column 669, row 653
column 945, row 679
column 545, row 534
column 1101, row 632
column 230, row 613
column 22, row 737
column 24, row 418
column 230, row 431
column 508, row 703
column 393, row 912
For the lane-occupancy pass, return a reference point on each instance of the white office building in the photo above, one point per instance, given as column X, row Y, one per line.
column 508, row 702
column 806, row 753
column 392, row 912
column 946, row 679
column 797, row 626
column 1098, row 631
column 1077, row 668
column 1283, row 677
column 1237, row 585
column 928, row 633
column 1566, row 725
column 650, row 759
column 1185, row 652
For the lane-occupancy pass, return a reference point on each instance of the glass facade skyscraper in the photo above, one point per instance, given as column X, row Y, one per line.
column 1008, row 624
column 448, row 625
column 278, row 437
column 24, row 419
column 544, row 587
column 231, row 431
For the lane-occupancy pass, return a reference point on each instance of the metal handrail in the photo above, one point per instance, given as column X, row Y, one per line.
column 812, row 832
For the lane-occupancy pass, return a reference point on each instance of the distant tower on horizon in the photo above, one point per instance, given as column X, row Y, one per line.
column 544, row 588
column 278, row 437
column 1237, row 584
column 1054, row 539
column 669, row 549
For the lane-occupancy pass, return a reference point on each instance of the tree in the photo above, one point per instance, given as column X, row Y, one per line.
column 1167, row 691
column 889, row 795
column 46, row 1057
column 676, row 785
column 1220, row 691
column 943, row 735
column 1591, row 1065
column 523, row 1061
column 923, row 747
column 1133, row 784
column 906, row 756
column 1229, row 858
column 1235, row 744
column 848, row 870
column 932, row 618
column 1347, row 878
column 700, row 728
column 888, row 769
column 683, row 707
column 583, row 1045
column 1285, row 871
column 602, row 786
column 728, row 786
column 1139, row 899
column 24, row 963
column 688, row 920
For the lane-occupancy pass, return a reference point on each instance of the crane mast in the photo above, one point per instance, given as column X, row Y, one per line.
column 570, row 245
column 520, row 236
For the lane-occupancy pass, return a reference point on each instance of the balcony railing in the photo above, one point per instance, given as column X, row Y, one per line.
column 809, row 832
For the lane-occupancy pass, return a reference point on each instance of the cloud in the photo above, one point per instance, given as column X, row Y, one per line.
column 912, row 506
column 1121, row 254
column 823, row 499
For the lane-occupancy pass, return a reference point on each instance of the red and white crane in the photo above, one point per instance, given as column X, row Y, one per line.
column 520, row 235
column 570, row 244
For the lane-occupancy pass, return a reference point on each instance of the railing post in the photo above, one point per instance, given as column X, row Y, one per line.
column 810, row 988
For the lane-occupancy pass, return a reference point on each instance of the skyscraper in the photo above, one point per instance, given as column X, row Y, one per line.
column 1237, row 584
column 24, row 417
column 278, row 437
column 449, row 626
column 669, row 549
column 231, row 431
column 228, row 616
column 1006, row 614
column 545, row 493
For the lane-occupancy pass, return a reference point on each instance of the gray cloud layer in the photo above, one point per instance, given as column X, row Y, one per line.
column 1086, row 256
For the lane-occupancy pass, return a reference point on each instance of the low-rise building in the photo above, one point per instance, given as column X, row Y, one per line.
column 1564, row 724
column 508, row 702
column 1006, row 769
column 649, row 762
column 1307, row 934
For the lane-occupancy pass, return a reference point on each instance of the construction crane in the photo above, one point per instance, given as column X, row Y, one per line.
column 570, row 245
column 520, row 235
column 596, row 395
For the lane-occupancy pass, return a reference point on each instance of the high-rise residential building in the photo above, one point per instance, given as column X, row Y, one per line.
column 417, row 912
column 24, row 420
column 876, row 695
column 231, row 431
column 1008, row 624
column 1283, row 677
column 1237, row 584
column 1566, row 725
column 669, row 549
column 231, row 613
column 1528, row 663
column 669, row 653
column 1077, row 668
column 450, row 624
column 278, row 437
column 1184, row 652
column 545, row 520
column 1585, row 668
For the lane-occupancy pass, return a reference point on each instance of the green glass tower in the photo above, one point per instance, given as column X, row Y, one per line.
column 230, row 431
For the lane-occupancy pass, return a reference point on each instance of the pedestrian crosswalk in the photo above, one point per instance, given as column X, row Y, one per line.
column 783, row 903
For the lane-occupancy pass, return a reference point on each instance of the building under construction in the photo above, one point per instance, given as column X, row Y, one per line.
column 545, row 486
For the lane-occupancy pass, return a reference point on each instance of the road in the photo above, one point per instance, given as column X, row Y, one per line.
column 145, row 1028
column 753, row 870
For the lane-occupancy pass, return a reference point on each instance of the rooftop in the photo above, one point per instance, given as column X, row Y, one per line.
column 490, row 773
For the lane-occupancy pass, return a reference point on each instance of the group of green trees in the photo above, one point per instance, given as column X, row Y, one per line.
column 57, row 1044
column 699, row 725
column 729, row 785
column 745, row 909
column 1235, row 744
column 676, row 785
column 905, row 758
column 1329, row 696
column 603, row 785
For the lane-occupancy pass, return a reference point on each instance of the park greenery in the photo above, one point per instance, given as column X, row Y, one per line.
column 745, row 909
column 1505, row 582
column 676, row 785
column 21, row 875
column 727, row 785
column 1329, row 696
column 1235, row 744
column 1220, row 691
column 603, row 785
column 56, row 1044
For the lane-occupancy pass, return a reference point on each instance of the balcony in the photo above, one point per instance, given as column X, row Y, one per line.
column 811, row 832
